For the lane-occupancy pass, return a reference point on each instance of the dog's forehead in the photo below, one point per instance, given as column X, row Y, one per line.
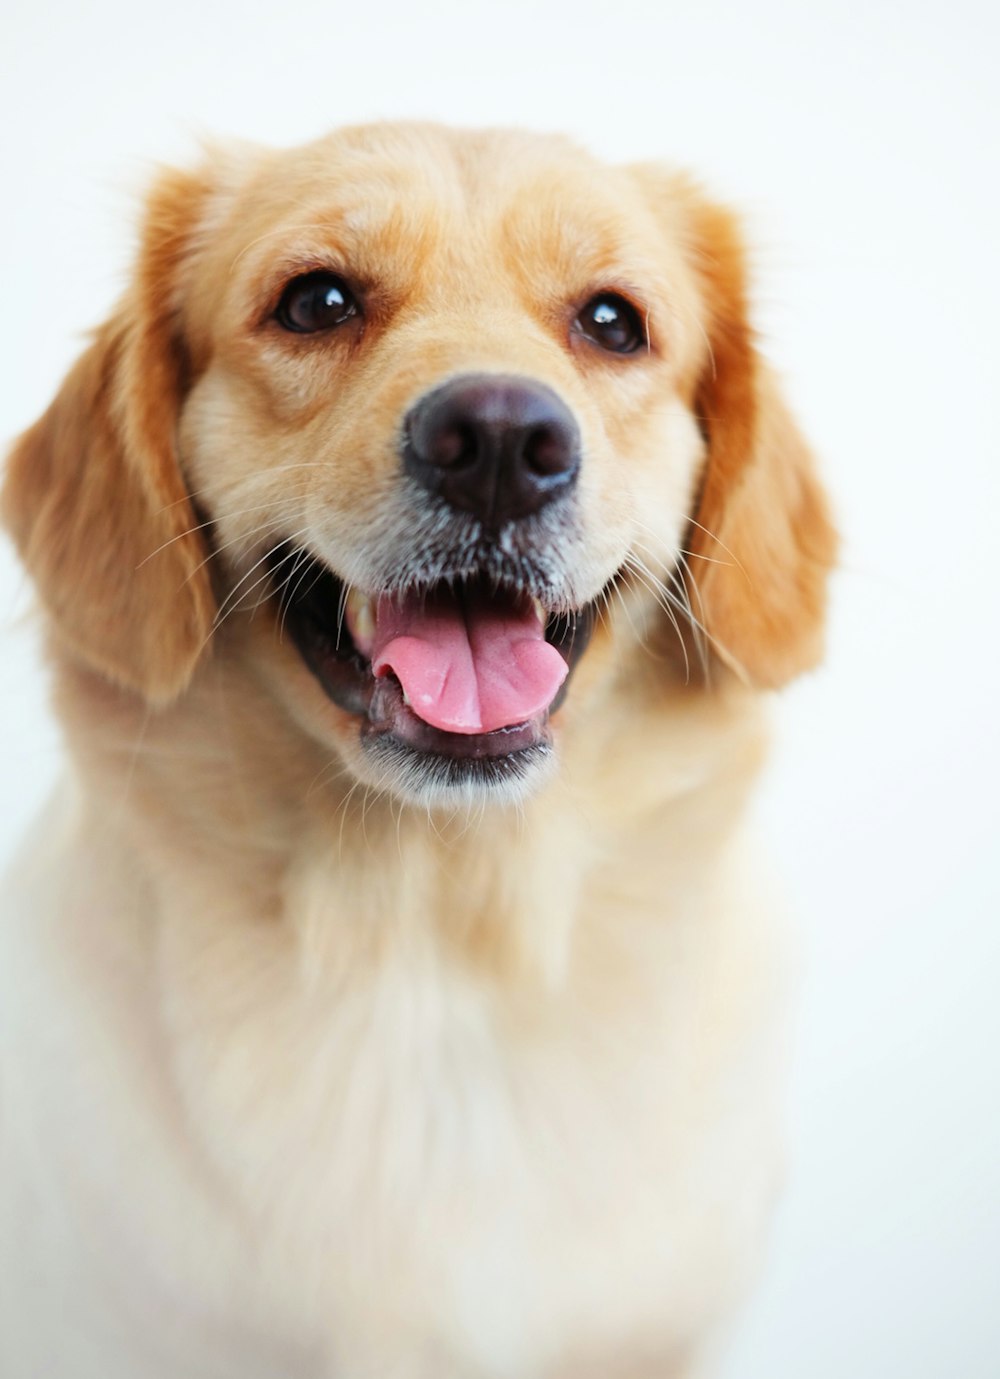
column 388, row 201
column 451, row 170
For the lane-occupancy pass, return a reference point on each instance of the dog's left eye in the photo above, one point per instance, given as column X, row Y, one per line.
column 316, row 301
column 611, row 322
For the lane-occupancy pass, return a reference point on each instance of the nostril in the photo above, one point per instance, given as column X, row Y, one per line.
column 549, row 450
column 438, row 439
column 451, row 446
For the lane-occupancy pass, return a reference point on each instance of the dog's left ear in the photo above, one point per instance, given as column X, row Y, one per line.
column 93, row 493
column 762, row 542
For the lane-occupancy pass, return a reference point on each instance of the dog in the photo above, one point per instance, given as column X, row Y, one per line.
column 394, row 987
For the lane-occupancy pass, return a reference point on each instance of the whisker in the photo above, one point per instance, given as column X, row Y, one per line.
column 616, row 590
column 657, row 537
column 650, row 581
column 277, row 504
column 235, row 598
column 719, row 542
column 188, row 531
column 682, row 603
column 341, row 612
column 242, row 539
column 268, row 476
column 710, row 559
column 286, row 595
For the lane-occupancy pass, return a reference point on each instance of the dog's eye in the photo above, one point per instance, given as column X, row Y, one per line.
column 611, row 322
column 316, row 301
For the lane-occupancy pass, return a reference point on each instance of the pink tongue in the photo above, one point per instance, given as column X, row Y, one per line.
column 467, row 666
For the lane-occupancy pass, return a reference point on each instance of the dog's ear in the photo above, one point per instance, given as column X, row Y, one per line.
column 762, row 542
column 93, row 493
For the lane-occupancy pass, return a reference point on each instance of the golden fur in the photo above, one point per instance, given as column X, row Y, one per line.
column 379, row 1082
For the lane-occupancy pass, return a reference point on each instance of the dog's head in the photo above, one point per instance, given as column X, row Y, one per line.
column 418, row 415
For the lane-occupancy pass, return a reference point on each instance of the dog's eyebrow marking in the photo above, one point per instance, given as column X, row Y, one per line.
column 286, row 230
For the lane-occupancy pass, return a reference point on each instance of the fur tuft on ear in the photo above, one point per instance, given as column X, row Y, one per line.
column 93, row 495
column 762, row 541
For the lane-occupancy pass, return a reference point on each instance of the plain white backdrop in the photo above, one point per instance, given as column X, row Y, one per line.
column 861, row 141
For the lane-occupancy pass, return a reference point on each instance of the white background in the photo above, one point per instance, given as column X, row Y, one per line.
column 862, row 141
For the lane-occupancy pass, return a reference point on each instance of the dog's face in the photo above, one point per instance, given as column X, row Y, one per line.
column 413, row 416
column 445, row 400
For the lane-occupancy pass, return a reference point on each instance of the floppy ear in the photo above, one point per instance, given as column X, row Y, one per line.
column 762, row 519
column 762, row 542
column 93, row 494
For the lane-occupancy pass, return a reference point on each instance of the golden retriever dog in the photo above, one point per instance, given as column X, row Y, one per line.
column 394, row 991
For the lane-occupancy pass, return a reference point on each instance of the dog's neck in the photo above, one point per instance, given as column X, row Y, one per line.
column 222, row 796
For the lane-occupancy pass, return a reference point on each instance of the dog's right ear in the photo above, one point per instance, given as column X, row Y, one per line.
column 762, row 535
column 93, row 495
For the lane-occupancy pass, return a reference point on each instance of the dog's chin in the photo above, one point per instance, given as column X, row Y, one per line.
column 429, row 766
column 395, row 750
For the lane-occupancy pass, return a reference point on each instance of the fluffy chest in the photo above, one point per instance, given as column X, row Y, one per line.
column 390, row 1147
column 502, row 1167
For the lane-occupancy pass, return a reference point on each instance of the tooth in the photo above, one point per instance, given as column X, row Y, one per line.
column 539, row 609
column 361, row 618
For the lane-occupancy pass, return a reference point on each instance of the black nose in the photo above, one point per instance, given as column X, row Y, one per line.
column 497, row 446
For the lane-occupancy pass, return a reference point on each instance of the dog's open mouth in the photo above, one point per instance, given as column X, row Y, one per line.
column 464, row 674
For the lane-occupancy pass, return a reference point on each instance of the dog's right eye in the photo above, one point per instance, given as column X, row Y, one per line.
column 316, row 301
column 611, row 322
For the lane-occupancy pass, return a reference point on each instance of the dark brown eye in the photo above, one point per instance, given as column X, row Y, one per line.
column 316, row 301
column 611, row 322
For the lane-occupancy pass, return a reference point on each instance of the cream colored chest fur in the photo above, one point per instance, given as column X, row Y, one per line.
column 395, row 1115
